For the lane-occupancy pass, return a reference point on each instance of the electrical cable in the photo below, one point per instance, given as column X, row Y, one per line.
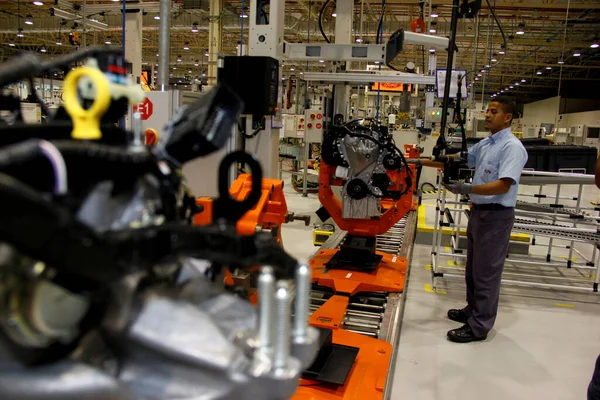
column 379, row 39
column 321, row 21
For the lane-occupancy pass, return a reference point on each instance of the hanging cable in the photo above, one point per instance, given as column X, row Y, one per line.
column 562, row 52
column 379, row 37
column 321, row 21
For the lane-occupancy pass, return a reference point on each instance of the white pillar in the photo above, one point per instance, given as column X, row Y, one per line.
column 215, row 39
column 267, row 40
column 343, row 35
column 133, row 43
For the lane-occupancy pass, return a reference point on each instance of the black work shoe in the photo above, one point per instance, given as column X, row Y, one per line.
column 464, row 334
column 458, row 316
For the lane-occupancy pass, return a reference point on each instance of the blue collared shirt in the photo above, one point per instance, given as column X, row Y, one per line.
column 498, row 156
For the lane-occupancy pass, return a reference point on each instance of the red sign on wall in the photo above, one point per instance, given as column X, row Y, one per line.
column 145, row 109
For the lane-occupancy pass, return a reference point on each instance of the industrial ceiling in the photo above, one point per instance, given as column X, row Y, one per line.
column 537, row 63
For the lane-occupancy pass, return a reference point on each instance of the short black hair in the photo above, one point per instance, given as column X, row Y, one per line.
column 508, row 106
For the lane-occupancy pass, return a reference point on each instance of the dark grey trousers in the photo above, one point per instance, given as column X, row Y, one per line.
column 488, row 234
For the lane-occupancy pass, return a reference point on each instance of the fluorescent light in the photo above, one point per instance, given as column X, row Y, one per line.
column 539, row 72
column 521, row 29
column 595, row 45
column 174, row 67
column 483, row 70
column 432, row 29
column 334, row 14
column 28, row 20
column 476, row 78
column 502, row 51
column 523, row 80
column 432, row 49
column 195, row 27
column 561, row 61
column 301, row 73
column 577, row 53
column 321, row 61
column 487, row 65
column 179, row 58
column 186, row 46
column 494, row 59
column 203, row 74
column 107, row 41
column 11, row 44
column 38, row 3
column 292, row 69
column 20, row 33
column 502, row 91
column 157, row 17
column 479, row 75
column 548, row 67
column 512, row 87
column 359, row 40
column 206, row 54
column 43, row 49
column 59, row 42
column 517, row 83
column 189, row 71
column 196, row 64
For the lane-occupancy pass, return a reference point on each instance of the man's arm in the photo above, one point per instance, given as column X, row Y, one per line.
column 431, row 163
column 500, row 186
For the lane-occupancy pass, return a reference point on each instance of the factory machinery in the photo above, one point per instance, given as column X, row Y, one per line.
column 107, row 290
column 360, row 272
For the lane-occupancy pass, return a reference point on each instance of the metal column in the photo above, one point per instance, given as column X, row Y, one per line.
column 133, row 42
column 164, row 44
column 343, row 35
column 267, row 40
column 215, row 39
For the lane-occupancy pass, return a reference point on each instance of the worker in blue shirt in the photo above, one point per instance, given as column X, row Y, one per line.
column 498, row 161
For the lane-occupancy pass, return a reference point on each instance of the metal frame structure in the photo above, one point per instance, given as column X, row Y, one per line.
column 553, row 221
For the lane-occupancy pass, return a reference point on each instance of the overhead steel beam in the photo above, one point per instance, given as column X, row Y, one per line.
column 367, row 78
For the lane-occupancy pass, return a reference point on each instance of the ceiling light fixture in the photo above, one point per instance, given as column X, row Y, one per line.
column 43, row 49
column 28, row 19
column 517, row 83
column 560, row 61
column 502, row 49
column 479, row 75
column 577, row 53
column 321, row 61
column 493, row 59
column 476, row 78
column 179, row 58
column 432, row 27
column 539, row 72
column 521, row 29
column 38, row 3
column 195, row 27
column 186, row 46
column 359, row 40
column 432, row 50
column 434, row 13
column 487, row 65
column 502, row 91
column 157, row 17
column 196, row 63
column 203, row 74
column 11, row 44
column 292, row 69
column 20, row 33
column 107, row 41
column 512, row 87
column 58, row 42
column 548, row 67
column 595, row 44
column 334, row 14
column 206, row 54
column 523, row 80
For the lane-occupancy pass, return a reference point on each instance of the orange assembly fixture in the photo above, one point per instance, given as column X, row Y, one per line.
column 269, row 213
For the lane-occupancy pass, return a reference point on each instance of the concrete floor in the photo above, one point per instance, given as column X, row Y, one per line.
column 543, row 346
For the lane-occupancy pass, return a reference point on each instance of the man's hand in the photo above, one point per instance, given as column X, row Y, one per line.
column 459, row 187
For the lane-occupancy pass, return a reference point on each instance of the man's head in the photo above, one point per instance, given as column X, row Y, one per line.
column 499, row 114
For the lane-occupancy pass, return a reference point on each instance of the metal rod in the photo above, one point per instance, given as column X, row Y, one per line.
column 164, row 44
column 523, row 283
column 449, row 66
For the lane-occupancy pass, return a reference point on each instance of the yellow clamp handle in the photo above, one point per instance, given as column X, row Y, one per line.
column 86, row 123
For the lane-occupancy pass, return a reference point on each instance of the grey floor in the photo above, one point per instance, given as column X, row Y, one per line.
column 543, row 345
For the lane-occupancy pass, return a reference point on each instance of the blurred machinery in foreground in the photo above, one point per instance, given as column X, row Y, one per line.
column 108, row 291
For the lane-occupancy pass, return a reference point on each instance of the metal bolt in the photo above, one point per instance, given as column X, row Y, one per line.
column 302, row 304
column 266, row 289
column 281, row 353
